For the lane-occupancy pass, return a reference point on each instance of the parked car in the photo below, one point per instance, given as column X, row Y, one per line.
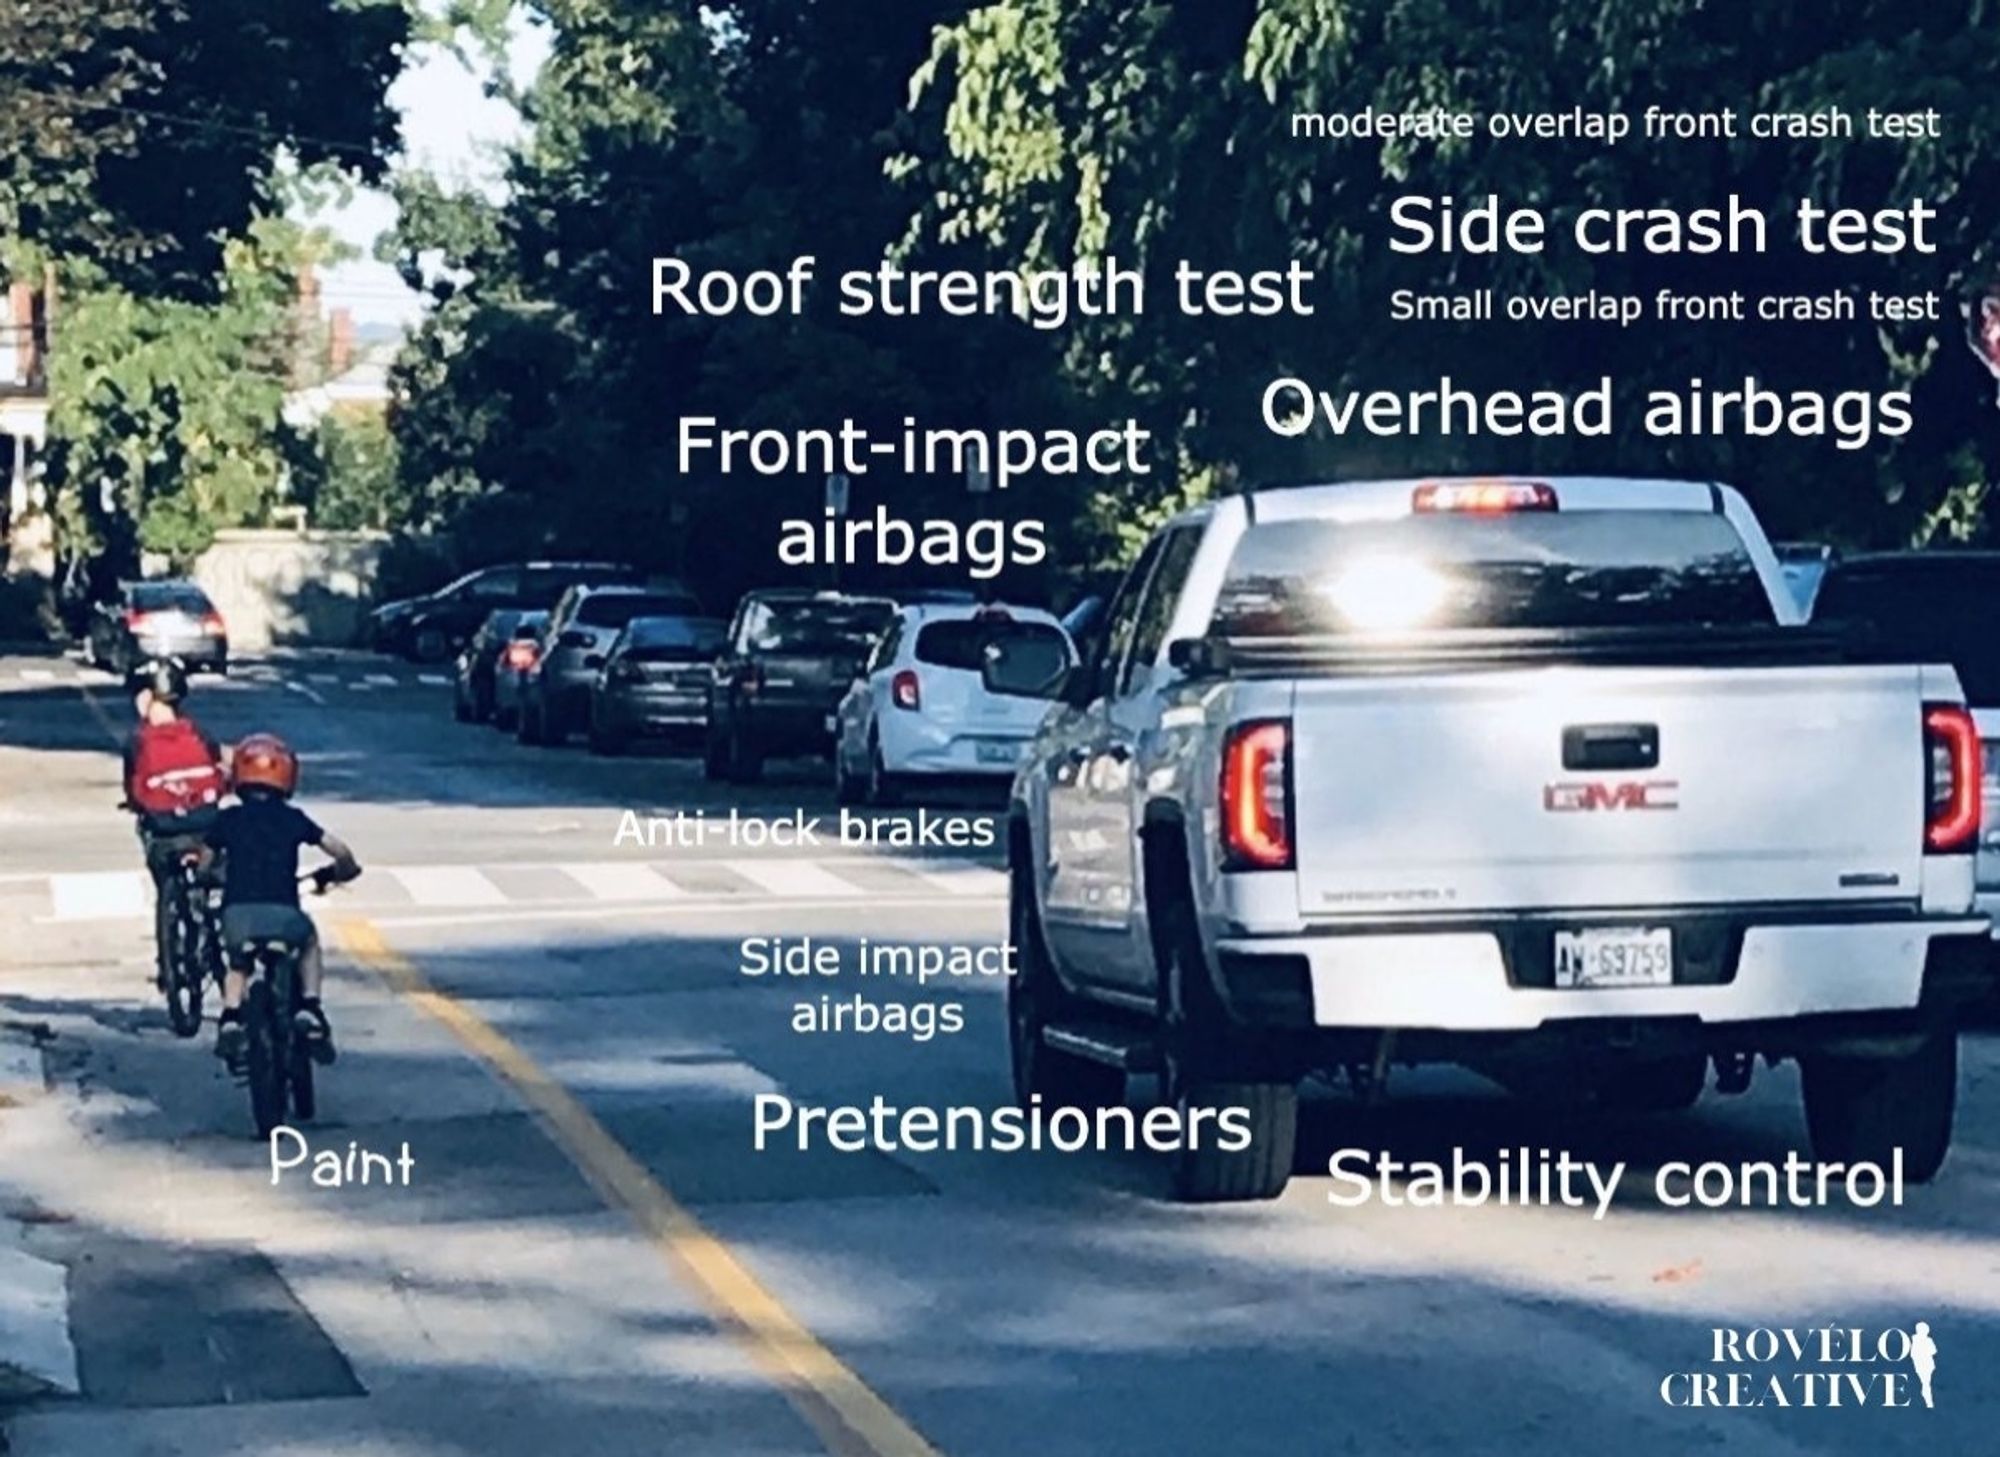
column 477, row 667
column 555, row 690
column 790, row 656
column 1921, row 606
column 510, row 673
column 432, row 627
column 919, row 712
column 654, row 683
column 165, row 618
column 1541, row 777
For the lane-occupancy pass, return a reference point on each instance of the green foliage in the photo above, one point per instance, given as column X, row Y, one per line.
column 542, row 393
column 347, row 479
column 1076, row 129
column 164, row 413
column 143, row 133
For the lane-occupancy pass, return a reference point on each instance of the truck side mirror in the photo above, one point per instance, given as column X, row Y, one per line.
column 1199, row 657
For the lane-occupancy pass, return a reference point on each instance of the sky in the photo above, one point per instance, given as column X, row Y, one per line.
column 450, row 127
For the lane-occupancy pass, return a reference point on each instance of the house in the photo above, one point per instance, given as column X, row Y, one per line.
column 25, row 308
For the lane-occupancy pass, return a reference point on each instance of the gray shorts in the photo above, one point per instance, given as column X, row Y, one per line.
column 260, row 921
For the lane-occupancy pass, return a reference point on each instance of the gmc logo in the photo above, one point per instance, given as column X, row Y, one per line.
column 1599, row 794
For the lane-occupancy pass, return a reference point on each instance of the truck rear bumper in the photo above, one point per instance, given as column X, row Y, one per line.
column 1458, row 981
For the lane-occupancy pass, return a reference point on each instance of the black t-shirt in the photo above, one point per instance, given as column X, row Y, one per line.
column 260, row 840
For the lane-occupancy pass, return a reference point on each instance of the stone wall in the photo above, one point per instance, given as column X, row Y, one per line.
column 290, row 588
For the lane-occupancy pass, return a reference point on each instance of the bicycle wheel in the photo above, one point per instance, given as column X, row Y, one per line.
column 187, row 961
column 305, row 1097
column 266, row 1054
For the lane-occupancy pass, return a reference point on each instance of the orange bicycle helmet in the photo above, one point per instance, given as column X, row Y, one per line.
column 265, row 761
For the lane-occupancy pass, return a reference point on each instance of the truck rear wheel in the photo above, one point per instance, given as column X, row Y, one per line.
column 1034, row 1000
column 1862, row 1109
column 1198, row 1075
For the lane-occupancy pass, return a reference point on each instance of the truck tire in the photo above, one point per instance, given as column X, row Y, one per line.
column 1035, row 998
column 1862, row 1109
column 1199, row 1073
column 1657, row 1085
column 1210, row 1174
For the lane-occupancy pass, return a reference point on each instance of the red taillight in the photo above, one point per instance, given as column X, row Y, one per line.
column 135, row 620
column 905, row 691
column 1256, row 796
column 1484, row 498
column 520, row 656
column 212, row 624
column 1951, row 774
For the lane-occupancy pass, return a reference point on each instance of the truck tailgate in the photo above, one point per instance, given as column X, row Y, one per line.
column 1449, row 792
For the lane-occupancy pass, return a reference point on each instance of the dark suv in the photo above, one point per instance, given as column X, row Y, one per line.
column 789, row 660
column 433, row 627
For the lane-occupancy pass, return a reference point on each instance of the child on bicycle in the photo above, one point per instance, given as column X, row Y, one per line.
column 174, row 782
column 259, row 839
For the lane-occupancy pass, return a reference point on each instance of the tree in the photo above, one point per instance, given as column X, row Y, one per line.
column 1079, row 129
column 165, row 414
column 142, row 133
column 543, row 394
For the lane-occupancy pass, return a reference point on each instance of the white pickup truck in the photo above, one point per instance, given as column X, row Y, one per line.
column 1542, row 777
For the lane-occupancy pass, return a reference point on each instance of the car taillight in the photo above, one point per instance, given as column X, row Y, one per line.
column 1484, row 498
column 520, row 656
column 135, row 620
column 1257, row 795
column 1952, row 763
column 905, row 691
column 212, row 624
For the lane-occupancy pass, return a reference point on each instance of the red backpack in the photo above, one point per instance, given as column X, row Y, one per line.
column 174, row 771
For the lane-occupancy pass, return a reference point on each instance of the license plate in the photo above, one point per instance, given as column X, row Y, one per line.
column 1002, row 753
column 1615, row 956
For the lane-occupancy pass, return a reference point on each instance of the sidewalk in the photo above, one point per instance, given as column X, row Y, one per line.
column 37, row 1357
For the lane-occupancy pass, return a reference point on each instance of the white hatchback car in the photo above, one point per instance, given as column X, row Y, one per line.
column 919, row 713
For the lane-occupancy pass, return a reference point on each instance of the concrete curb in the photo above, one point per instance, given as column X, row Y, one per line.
column 36, row 1356
column 22, row 1076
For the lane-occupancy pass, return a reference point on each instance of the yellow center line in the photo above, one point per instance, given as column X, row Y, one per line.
column 849, row 1418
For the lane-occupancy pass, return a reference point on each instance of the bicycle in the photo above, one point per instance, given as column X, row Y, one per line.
column 191, row 941
column 277, row 1059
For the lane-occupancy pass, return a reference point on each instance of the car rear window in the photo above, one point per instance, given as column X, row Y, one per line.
column 1922, row 613
column 165, row 598
column 615, row 609
column 809, row 627
column 1459, row 570
column 963, row 644
column 673, row 640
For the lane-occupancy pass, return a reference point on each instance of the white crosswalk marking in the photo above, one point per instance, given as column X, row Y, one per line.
column 323, row 677
column 448, row 885
column 436, row 680
column 379, row 680
column 544, row 885
column 100, row 895
column 621, row 881
column 962, row 879
column 792, row 877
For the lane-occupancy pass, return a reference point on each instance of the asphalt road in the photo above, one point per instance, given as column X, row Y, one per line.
column 591, row 1258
